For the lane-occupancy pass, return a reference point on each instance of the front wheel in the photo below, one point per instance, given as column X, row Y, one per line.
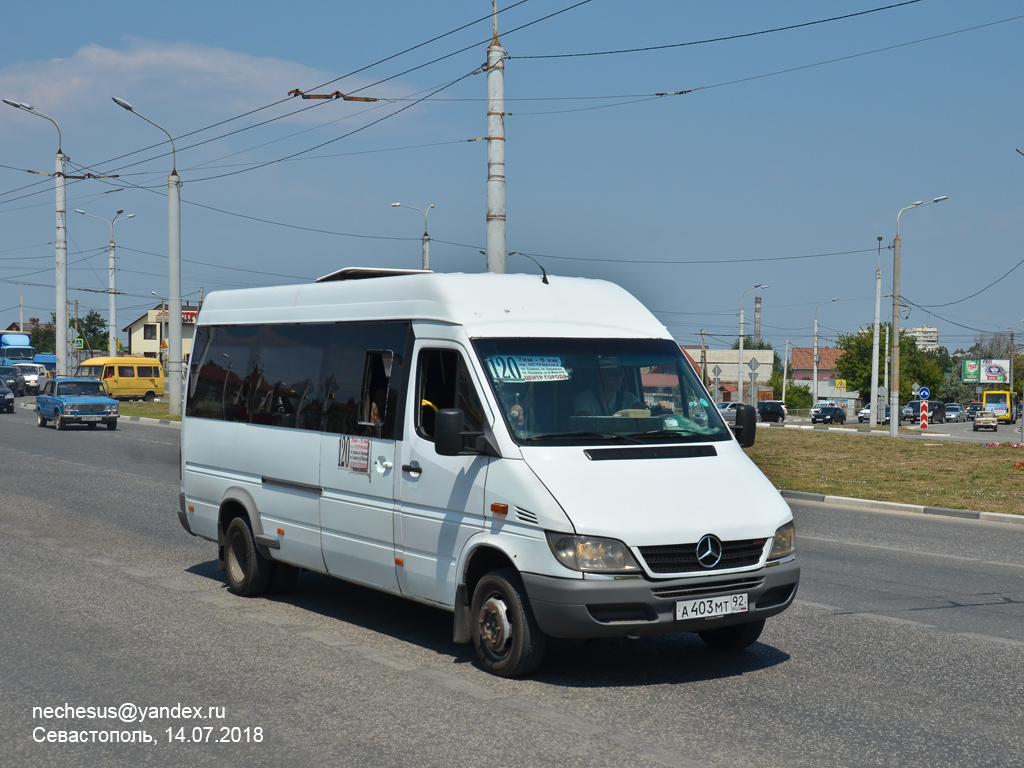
column 507, row 639
column 111, row 425
column 248, row 572
column 58, row 421
column 734, row 638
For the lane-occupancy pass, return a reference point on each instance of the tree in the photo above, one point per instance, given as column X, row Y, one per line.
column 925, row 368
column 42, row 339
column 93, row 328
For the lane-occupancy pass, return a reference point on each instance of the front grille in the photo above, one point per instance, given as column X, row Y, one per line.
column 91, row 408
column 700, row 590
column 682, row 558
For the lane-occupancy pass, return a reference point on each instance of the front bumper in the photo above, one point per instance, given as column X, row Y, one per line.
column 585, row 608
column 90, row 418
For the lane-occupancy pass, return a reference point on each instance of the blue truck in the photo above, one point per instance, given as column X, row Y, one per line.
column 15, row 347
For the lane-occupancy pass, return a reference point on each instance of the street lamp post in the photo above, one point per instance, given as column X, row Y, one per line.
column 61, row 334
column 894, row 382
column 426, row 237
column 814, row 394
column 739, row 362
column 173, row 271
column 112, row 255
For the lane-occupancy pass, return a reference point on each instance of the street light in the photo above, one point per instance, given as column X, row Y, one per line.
column 112, row 324
column 739, row 362
column 426, row 237
column 61, row 336
column 814, row 398
column 894, row 384
column 173, row 271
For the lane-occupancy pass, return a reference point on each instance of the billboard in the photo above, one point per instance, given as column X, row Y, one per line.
column 983, row 371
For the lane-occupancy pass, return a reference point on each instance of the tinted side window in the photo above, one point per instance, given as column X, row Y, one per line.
column 296, row 376
column 126, row 371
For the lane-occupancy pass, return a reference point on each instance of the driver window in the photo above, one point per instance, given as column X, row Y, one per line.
column 443, row 382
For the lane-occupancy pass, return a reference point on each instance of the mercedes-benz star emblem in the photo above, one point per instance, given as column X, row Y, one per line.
column 709, row 551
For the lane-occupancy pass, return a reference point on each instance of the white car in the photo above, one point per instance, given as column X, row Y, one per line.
column 35, row 376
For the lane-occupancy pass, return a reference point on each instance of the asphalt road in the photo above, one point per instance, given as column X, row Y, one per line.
column 905, row 647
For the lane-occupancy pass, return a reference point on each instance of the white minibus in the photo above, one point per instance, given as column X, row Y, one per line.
column 537, row 457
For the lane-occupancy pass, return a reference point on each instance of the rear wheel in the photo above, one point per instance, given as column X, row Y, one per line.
column 248, row 572
column 149, row 397
column 40, row 421
column 507, row 639
column 734, row 638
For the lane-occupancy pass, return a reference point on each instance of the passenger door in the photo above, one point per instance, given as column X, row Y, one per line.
column 363, row 378
column 440, row 498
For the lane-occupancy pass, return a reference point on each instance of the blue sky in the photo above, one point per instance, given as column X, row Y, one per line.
column 794, row 151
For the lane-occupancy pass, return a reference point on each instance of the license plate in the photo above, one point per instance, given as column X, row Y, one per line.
column 91, row 418
column 710, row 607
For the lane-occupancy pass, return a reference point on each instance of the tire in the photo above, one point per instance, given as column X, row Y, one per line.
column 975, row 427
column 507, row 639
column 734, row 638
column 40, row 421
column 59, row 422
column 248, row 572
column 149, row 397
column 112, row 424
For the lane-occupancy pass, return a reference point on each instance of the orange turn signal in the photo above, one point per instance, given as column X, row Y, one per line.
column 280, row 531
column 499, row 509
column 399, row 561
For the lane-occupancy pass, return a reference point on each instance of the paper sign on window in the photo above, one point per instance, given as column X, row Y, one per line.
column 523, row 368
column 354, row 454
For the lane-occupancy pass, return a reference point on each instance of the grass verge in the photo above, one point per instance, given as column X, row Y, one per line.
column 155, row 410
column 927, row 472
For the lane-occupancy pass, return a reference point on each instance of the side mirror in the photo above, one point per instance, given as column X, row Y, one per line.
column 746, row 425
column 448, row 431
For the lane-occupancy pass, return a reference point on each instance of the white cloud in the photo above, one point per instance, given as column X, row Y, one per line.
column 178, row 84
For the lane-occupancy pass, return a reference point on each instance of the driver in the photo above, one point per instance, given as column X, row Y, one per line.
column 610, row 396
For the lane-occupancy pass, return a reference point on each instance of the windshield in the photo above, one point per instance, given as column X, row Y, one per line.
column 19, row 353
column 8, row 370
column 585, row 391
column 70, row 388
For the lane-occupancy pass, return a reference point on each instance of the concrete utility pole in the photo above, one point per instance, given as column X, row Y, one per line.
column 894, row 383
column 111, row 257
column 757, row 319
column 61, row 334
column 814, row 393
column 173, row 373
column 495, row 151
column 785, row 370
column 874, row 339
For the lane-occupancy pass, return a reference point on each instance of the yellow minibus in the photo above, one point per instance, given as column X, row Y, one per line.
column 126, row 378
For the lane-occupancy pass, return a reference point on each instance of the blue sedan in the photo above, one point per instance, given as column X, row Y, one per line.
column 76, row 401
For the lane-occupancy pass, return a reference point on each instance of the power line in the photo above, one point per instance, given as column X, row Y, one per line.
column 717, row 39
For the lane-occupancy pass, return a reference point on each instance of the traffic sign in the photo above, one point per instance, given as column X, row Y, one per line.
column 79, row 344
column 923, row 393
column 840, row 383
column 924, row 413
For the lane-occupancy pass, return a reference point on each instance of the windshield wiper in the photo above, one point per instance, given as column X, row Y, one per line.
column 600, row 435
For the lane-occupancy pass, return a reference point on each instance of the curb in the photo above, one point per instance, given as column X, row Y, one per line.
column 852, row 430
column 892, row 506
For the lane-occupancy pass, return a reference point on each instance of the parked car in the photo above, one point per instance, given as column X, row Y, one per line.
column 728, row 411
column 829, row 414
column 973, row 409
column 824, row 404
column 35, row 376
column 7, row 399
column 13, row 378
column 986, row 420
column 771, row 410
column 936, row 412
column 955, row 412
column 75, row 401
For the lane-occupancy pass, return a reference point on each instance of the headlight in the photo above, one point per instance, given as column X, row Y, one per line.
column 111, row 409
column 591, row 554
column 9, row 396
column 785, row 542
column 71, row 408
